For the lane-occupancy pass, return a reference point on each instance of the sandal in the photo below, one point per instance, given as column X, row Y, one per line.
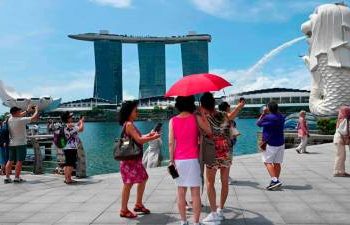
column 142, row 209
column 127, row 214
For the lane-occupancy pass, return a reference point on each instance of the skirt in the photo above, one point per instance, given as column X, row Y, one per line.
column 189, row 173
column 133, row 172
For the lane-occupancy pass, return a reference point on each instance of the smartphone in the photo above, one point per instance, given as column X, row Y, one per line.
column 173, row 172
column 157, row 127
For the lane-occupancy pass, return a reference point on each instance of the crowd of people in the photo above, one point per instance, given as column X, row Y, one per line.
column 201, row 143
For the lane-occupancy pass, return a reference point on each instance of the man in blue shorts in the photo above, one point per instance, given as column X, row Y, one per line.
column 18, row 140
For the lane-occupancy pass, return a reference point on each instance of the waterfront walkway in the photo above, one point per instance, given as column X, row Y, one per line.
column 310, row 196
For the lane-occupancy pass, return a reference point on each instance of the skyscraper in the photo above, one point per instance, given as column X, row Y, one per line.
column 194, row 57
column 152, row 69
column 108, row 76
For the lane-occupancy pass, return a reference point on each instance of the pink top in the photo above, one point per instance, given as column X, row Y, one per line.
column 303, row 129
column 186, row 137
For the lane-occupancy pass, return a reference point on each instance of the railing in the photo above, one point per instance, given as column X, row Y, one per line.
column 47, row 157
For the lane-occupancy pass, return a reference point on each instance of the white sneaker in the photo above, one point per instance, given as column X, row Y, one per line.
column 220, row 213
column 184, row 223
column 212, row 217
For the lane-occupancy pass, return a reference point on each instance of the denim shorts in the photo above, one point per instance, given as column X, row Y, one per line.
column 17, row 153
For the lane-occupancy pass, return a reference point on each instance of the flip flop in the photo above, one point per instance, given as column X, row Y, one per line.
column 127, row 214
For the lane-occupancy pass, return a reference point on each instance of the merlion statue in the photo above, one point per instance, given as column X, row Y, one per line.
column 328, row 59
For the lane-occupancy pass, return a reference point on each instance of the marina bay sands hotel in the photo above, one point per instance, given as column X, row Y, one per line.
column 151, row 53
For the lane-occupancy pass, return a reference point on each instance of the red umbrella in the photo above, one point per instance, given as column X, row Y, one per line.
column 196, row 84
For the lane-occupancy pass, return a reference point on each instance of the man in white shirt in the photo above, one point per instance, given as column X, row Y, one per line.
column 18, row 140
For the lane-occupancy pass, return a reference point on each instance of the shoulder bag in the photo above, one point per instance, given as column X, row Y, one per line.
column 125, row 148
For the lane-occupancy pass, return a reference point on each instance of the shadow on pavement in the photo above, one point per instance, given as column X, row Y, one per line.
column 296, row 187
column 242, row 216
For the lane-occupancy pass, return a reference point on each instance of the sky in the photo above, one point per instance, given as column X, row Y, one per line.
column 38, row 59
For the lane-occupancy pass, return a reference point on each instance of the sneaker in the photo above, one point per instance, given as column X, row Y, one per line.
column 220, row 213
column 298, row 151
column 7, row 181
column 18, row 180
column 212, row 217
column 274, row 185
column 184, row 223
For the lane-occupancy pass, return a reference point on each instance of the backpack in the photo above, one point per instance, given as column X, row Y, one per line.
column 59, row 138
column 344, row 132
column 4, row 134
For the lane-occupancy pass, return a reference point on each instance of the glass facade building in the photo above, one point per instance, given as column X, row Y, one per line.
column 152, row 69
column 194, row 57
column 108, row 70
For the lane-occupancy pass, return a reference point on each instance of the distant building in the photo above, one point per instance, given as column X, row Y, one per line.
column 283, row 96
column 289, row 100
column 152, row 69
column 86, row 104
column 108, row 70
column 108, row 61
column 194, row 57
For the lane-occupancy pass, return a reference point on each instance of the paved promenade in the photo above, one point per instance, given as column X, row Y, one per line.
column 310, row 196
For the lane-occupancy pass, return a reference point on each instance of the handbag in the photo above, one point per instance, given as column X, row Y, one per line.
column 125, row 148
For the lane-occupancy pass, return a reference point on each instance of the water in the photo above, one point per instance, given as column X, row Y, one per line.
column 266, row 58
column 98, row 140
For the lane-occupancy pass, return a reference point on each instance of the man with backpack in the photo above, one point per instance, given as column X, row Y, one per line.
column 4, row 142
column 18, row 139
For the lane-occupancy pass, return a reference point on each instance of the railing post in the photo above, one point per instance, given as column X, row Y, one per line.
column 81, row 164
column 38, row 160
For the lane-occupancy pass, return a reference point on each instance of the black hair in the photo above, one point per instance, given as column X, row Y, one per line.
column 14, row 109
column 208, row 101
column 65, row 116
column 273, row 107
column 126, row 110
column 185, row 104
column 224, row 106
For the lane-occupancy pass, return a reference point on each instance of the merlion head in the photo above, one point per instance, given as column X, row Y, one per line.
column 328, row 58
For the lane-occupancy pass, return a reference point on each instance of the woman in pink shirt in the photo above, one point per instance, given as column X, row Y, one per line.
column 303, row 133
column 184, row 154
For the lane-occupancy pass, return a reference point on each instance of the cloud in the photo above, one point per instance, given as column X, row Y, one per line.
column 256, row 10
column 298, row 78
column 114, row 3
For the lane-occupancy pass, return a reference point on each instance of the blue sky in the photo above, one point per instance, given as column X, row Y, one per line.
column 37, row 58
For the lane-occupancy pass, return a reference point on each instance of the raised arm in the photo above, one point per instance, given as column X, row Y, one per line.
column 233, row 114
column 171, row 143
column 35, row 116
column 81, row 125
column 131, row 130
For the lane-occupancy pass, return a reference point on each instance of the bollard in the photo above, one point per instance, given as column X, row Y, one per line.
column 81, row 163
column 38, row 160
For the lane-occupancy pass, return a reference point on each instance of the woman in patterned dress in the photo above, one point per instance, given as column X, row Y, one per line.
column 220, row 125
column 132, row 171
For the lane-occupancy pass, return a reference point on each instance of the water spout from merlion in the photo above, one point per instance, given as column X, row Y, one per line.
column 267, row 57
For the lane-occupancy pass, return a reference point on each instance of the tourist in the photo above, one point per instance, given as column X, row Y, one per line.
column 272, row 123
column 18, row 140
column 184, row 154
column 152, row 156
column 4, row 142
column 71, row 131
column 50, row 126
column 132, row 171
column 234, row 133
column 341, row 141
column 220, row 123
column 303, row 132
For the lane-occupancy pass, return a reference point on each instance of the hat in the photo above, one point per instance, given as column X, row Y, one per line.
column 14, row 109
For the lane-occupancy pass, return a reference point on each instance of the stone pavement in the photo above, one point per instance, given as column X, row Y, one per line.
column 310, row 196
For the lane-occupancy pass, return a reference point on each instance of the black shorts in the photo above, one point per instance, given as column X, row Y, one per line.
column 71, row 157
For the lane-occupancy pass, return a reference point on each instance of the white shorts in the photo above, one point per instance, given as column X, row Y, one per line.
column 189, row 173
column 273, row 154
